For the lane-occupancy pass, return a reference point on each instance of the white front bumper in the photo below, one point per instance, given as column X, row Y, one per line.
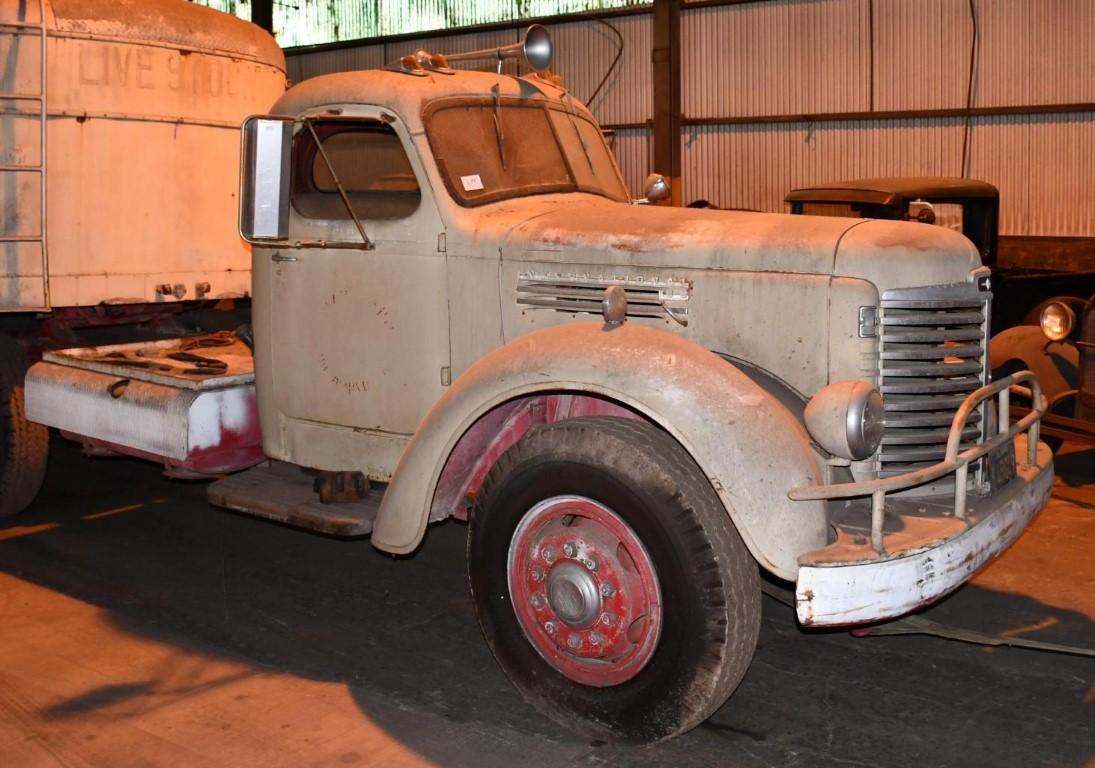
column 842, row 593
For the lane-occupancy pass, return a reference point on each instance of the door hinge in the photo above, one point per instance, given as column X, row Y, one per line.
column 441, row 244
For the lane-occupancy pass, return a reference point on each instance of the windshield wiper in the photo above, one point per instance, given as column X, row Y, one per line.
column 574, row 124
column 495, row 92
column 338, row 185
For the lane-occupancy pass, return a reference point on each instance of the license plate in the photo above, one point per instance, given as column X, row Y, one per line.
column 1002, row 464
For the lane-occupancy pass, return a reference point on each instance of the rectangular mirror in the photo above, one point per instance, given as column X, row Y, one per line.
column 264, row 182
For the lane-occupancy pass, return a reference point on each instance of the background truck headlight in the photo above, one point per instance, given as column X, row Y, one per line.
column 1058, row 320
column 845, row 418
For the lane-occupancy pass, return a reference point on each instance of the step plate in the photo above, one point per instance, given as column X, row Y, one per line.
column 283, row 492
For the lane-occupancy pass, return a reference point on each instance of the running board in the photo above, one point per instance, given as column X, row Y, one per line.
column 284, row 492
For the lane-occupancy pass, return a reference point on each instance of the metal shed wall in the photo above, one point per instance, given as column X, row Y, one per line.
column 785, row 93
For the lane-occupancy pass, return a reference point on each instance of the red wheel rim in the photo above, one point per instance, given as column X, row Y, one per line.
column 584, row 590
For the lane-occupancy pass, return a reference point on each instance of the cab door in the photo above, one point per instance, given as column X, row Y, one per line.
column 358, row 335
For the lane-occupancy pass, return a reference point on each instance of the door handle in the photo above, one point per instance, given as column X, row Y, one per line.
column 282, row 257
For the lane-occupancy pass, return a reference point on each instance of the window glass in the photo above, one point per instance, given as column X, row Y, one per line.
column 830, row 209
column 488, row 154
column 370, row 162
column 590, row 161
column 489, row 151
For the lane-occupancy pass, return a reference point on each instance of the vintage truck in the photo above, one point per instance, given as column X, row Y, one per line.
column 119, row 168
column 460, row 313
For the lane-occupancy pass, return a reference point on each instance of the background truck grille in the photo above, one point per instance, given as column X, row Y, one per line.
column 931, row 355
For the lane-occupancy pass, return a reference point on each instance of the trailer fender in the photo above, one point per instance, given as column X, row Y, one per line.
column 744, row 440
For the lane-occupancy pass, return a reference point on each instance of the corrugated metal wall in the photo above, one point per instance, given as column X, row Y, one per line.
column 745, row 64
column 317, row 22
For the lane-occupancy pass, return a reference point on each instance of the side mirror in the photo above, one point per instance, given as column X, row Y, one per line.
column 922, row 211
column 655, row 189
column 264, row 178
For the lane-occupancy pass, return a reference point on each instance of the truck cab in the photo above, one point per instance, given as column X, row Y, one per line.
column 459, row 313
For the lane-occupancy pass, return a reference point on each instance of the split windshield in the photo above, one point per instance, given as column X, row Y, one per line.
column 500, row 147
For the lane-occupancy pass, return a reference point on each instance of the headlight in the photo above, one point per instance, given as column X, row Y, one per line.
column 1058, row 320
column 846, row 419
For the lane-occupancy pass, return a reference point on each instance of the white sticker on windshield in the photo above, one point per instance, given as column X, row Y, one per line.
column 471, row 183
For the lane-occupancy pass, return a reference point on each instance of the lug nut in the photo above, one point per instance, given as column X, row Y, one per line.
column 569, row 550
column 549, row 627
column 537, row 573
column 608, row 590
column 596, row 638
column 574, row 641
column 537, row 600
column 548, row 553
column 591, row 564
column 607, row 618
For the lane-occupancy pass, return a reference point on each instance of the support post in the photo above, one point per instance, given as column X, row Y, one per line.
column 666, row 58
column 262, row 14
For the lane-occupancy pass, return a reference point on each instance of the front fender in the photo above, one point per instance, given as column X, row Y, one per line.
column 747, row 443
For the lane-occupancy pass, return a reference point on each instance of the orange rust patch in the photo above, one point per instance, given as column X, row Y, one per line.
column 918, row 532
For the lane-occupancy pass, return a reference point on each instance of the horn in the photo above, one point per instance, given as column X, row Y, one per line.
column 535, row 47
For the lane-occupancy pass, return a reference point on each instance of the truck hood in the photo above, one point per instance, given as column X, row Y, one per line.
column 583, row 230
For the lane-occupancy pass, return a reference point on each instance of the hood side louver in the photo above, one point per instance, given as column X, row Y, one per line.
column 580, row 293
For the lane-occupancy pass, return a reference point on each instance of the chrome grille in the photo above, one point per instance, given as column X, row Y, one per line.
column 931, row 356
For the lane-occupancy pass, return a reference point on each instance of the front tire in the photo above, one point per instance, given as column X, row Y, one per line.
column 609, row 581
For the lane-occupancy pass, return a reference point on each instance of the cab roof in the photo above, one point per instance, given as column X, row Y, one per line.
column 407, row 95
column 888, row 190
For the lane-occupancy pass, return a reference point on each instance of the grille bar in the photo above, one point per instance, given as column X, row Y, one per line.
column 921, row 335
column 899, row 317
column 931, row 356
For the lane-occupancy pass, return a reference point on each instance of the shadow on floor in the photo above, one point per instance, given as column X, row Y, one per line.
column 401, row 635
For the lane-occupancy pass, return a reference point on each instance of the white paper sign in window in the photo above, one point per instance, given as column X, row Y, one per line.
column 471, row 183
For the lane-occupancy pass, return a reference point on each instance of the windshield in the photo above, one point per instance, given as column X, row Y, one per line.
column 497, row 148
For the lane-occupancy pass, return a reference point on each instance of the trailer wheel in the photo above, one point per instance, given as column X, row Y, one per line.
column 24, row 445
column 610, row 584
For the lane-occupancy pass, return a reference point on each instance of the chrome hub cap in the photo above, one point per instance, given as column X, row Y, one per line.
column 573, row 594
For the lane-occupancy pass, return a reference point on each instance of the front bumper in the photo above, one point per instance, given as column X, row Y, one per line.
column 914, row 551
column 859, row 585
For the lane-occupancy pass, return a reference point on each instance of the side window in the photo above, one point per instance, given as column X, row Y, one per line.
column 369, row 161
column 829, row 209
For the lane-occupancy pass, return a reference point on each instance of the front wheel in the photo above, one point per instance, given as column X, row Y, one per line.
column 609, row 581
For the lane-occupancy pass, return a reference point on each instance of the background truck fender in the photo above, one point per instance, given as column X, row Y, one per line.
column 749, row 445
column 1025, row 347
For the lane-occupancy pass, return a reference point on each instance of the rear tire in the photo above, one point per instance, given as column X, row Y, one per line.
column 24, row 445
column 612, row 480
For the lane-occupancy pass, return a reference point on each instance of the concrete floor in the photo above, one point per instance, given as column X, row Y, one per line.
column 143, row 628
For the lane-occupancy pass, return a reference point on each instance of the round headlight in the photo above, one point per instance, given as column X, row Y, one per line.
column 846, row 419
column 1058, row 320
